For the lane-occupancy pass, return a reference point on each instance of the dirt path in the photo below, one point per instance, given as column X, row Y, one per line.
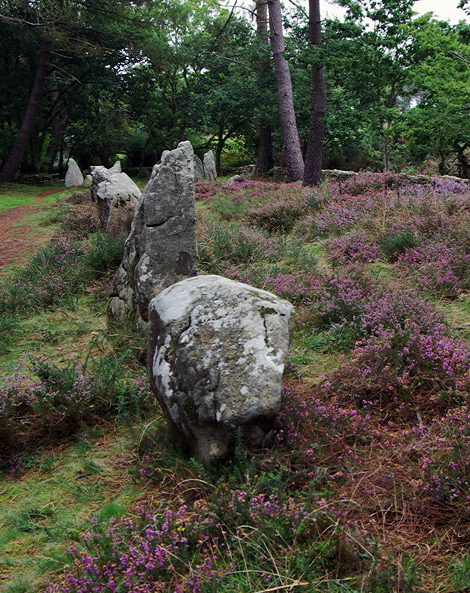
column 16, row 245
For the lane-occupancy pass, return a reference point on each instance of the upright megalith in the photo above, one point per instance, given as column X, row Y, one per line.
column 73, row 176
column 210, row 170
column 116, row 196
column 161, row 248
column 198, row 169
column 216, row 358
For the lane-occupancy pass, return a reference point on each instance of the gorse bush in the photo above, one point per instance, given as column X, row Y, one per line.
column 394, row 244
column 279, row 216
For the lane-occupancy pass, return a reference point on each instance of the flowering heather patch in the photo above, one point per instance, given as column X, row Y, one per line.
column 440, row 270
column 352, row 249
column 158, row 551
column 64, row 398
column 204, row 189
column 296, row 286
column 444, row 469
column 79, row 221
column 334, row 219
column 399, row 366
column 52, row 275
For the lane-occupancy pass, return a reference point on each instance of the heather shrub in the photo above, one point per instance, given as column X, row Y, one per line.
column 158, row 550
column 334, row 219
column 298, row 286
column 79, row 221
column 438, row 269
column 396, row 366
column 51, row 277
column 444, row 468
column 62, row 398
column 204, row 189
column 279, row 216
column 352, row 250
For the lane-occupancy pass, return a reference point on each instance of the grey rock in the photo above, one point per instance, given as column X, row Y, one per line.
column 198, row 169
column 216, row 358
column 116, row 168
column 88, row 181
column 236, row 179
column 161, row 247
column 117, row 197
column 73, row 176
column 210, row 171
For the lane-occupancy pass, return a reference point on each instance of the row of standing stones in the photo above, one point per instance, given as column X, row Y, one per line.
column 217, row 347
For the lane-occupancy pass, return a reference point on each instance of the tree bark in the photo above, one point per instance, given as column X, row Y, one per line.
column 313, row 158
column 265, row 160
column 290, row 135
column 15, row 156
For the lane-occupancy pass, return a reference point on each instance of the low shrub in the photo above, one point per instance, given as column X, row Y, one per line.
column 394, row 243
column 352, row 249
column 438, row 269
column 279, row 216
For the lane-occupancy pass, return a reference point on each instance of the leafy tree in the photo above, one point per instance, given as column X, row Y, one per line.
column 439, row 124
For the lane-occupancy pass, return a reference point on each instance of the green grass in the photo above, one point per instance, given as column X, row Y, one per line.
column 43, row 512
column 12, row 196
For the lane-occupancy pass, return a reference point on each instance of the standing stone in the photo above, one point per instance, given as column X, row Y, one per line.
column 74, row 176
column 116, row 168
column 117, row 197
column 198, row 169
column 216, row 358
column 210, row 170
column 161, row 248
column 88, row 181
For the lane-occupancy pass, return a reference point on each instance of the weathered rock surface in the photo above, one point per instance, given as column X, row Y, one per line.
column 161, row 248
column 73, row 176
column 117, row 197
column 210, row 170
column 88, row 181
column 216, row 359
column 198, row 169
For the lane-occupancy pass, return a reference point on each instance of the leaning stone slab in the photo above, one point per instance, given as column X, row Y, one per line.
column 210, row 171
column 73, row 176
column 161, row 247
column 216, row 358
column 117, row 197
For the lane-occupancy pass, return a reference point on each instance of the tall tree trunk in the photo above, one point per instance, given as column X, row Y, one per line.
column 290, row 135
column 313, row 158
column 15, row 156
column 464, row 165
column 385, row 148
column 265, row 160
column 59, row 121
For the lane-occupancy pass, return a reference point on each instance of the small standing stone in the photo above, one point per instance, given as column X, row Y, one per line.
column 117, row 197
column 210, row 170
column 73, row 177
column 198, row 169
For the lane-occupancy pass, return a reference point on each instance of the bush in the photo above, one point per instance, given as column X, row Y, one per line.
column 279, row 216
column 394, row 244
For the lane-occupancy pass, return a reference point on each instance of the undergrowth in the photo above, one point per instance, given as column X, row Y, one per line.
column 365, row 485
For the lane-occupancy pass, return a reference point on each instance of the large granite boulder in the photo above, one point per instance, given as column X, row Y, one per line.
column 73, row 176
column 117, row 197
column 216, row 358
column 161, row 248
column 210, row 170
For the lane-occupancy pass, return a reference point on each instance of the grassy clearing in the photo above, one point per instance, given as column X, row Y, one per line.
column 364, row 488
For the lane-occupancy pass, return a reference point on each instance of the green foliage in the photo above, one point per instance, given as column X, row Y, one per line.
column 394, row 244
